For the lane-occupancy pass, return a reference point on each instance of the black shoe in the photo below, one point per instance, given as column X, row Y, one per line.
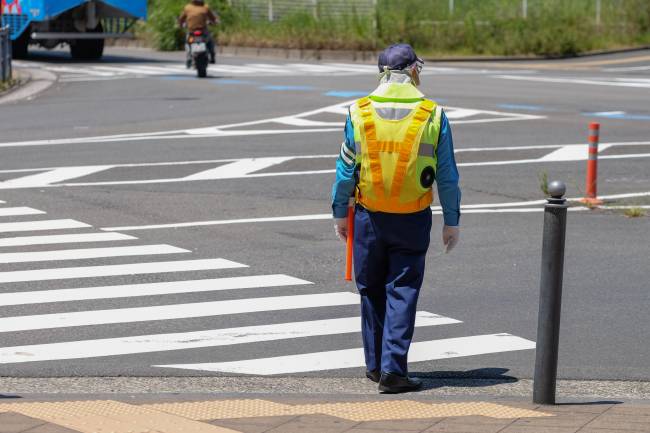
column 373, row 375
column 390, row 383
column 213, row 61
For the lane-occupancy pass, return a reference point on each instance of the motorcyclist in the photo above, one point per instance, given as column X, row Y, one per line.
column 197, row 16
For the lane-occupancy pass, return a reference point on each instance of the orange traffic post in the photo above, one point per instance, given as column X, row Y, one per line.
column 349, row 241
column 591, row 189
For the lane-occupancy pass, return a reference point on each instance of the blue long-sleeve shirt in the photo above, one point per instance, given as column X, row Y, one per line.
column 446, row 174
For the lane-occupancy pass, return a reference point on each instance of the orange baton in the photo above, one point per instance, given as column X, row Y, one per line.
column 349, row 242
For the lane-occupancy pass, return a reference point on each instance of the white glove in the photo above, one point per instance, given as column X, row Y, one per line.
column 450, row 237
column 341, row 228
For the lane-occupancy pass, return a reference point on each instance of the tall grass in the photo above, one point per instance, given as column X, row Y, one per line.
column 552, row 27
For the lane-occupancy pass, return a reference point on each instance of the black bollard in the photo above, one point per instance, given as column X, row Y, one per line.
column 550, row 295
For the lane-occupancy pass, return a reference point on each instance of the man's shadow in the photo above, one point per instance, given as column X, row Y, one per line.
column 480, row 377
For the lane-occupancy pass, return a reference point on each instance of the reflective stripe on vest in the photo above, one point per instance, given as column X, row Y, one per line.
column 399, row 199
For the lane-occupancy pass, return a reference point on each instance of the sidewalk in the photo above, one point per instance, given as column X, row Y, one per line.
column 409, row 413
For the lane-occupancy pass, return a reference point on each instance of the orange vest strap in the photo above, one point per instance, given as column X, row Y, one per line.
column 422, row 114
column 370, row 130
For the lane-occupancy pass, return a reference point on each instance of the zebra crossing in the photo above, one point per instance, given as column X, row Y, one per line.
column 115, row 71
column 70, row 306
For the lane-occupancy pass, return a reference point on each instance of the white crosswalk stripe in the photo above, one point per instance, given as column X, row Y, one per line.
column 56, row 308
column 339, row 359
column 115, row 270
column 63, row 239
column 89, row 253
column 193, row 340
column 28, row 226
column 73, row 73
column 18, row 211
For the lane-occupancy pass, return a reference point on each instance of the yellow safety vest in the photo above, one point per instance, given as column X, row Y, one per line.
column 396, row 158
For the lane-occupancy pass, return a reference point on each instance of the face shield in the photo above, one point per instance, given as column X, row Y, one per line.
column 409, row 74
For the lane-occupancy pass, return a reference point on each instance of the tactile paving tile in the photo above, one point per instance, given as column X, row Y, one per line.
column 227, row 409
column 359, row 411
column 108, row 416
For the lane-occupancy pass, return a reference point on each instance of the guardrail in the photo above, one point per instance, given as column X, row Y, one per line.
column 5, row 55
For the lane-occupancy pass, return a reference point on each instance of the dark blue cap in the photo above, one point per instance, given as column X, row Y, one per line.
column 397, row 57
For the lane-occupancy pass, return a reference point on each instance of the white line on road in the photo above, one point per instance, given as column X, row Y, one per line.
column 90, row 253
column 63, row 239
column 28, row 226
column 194, row 340
column 149, row 289
column 176, row 311
column 237, row 169
column 52, row 176
column 485, row 208
column 18, row 211
column 247, row 167
column 114, row 270
column 594, row 82
column 349, row 358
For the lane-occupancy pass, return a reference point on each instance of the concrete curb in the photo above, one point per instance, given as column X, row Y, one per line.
column 33, row 82
column 439, row 387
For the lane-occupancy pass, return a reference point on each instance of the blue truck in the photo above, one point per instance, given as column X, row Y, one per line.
column 84, row 25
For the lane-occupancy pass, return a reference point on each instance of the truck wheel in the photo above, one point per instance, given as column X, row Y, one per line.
column 202, row 66
column 19, row 47
column 88, row 49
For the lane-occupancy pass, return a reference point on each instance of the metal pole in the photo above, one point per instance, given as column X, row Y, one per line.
column 598, row 11
column 550, row 295
column 451, row 7
column 524, row 8
column 270, row 11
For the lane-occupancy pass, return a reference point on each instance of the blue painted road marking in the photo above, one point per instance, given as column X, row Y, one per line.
column 521, row 107
column 346, row 93
column 288, row 88
column 619, row 115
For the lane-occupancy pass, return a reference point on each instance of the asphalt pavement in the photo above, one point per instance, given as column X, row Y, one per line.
column 148, row 180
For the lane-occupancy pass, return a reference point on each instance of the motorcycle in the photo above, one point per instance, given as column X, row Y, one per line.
column 197, row 52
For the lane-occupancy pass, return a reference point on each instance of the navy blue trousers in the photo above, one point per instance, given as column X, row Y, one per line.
column 389, row 255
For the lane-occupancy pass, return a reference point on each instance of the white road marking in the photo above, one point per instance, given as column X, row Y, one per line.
column 572, row 153
column 114, row 270
column 52, row 176
column 628, row 69
column 484, row 208
column 176, row 311
column 18, row 211
column 235, row 129
column 324, row 216
column 28, row 226
column 237, row 168
column 90, row 253
column 63, row 239
column 338, row 359
column 247, row 167
column 594, row 82
column 149, row 289
column 194, row 340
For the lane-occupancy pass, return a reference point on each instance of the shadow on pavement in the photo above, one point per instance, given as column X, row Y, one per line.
column 480, row 377
column 63, row 57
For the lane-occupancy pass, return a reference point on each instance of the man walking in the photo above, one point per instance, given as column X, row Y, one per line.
column 397, row 144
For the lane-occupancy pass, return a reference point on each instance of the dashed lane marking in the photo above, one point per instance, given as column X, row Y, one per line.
column 254, row 167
